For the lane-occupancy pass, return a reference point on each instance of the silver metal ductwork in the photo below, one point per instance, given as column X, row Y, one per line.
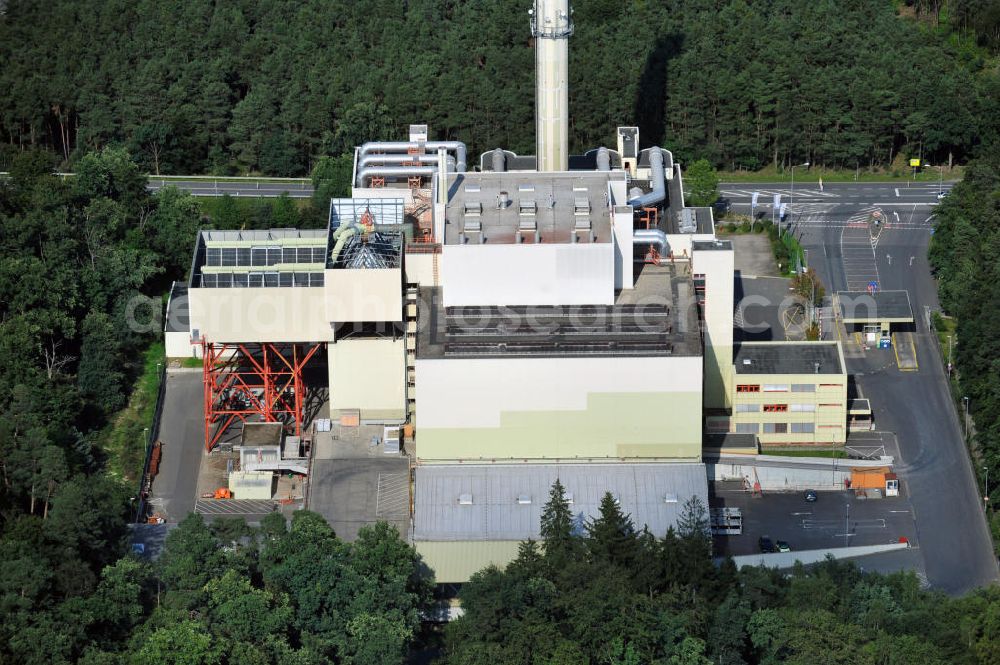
column 657, row 157
column 603, row 159
column 457, row 147
column 652, row 237
column 394, row 172
column 499, row 160
column 399, row 159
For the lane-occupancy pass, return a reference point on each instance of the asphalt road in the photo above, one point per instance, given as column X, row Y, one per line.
column 933, row 463
column 175, row 488
column 236, row 188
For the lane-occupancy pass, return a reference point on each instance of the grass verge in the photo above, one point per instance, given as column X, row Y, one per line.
column 222, row 178
column 813, row 175
column 123, row 440
column 781, row 452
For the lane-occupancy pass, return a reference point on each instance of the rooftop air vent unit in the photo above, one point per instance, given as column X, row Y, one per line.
column 473, row 208
column 524, row 499
column 581, row 205
column 569, row 497
column 670, row 498
column 688, row 221
column 526, row 207
column 418, row 133
column 465, row 499
column 747, row 361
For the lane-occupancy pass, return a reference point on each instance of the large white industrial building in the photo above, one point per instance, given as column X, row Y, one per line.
column 532, row 318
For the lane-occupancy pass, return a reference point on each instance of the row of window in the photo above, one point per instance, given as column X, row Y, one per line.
column 775, row 428
column 262, row 256
column 775, row 408
column 227, row 280
column 782, row 387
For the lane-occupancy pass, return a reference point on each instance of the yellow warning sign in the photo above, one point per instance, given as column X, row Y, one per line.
column 914, row 163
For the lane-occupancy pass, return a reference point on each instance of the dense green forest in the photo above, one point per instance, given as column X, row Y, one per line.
column 964, row 254
column 270, row 86
column 114, row 89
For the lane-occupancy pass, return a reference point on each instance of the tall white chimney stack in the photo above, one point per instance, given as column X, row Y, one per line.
column 551, row 26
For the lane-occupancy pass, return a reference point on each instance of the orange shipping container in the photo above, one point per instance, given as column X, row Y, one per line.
column 869, row 479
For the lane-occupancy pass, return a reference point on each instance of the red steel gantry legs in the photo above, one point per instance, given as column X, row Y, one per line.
column 246, row 380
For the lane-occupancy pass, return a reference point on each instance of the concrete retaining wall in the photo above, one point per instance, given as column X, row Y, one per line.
column 788, row 559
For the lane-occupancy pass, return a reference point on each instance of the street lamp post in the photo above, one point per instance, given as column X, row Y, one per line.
column 847, row 527
column 940, row 170
column 791, row 197
column 965, row 405
column 986, row 488
column 949, row 356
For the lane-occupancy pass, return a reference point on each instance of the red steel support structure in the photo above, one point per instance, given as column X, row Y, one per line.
column 253, row 382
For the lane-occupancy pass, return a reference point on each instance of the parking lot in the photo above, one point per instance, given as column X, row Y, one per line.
column 836, row 519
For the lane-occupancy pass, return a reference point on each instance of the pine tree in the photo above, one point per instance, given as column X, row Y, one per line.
column 611, row 537
column 557, row 528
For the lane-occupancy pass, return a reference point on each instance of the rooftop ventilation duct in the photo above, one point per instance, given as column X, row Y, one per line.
column 499, row 160
column 658, row 178
column 394, row 171
column 400, row 158
column 603, row 159
column 375, row 147
column 651, row 237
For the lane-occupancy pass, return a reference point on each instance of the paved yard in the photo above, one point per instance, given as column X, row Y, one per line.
column 354, row 482
column 822, row 524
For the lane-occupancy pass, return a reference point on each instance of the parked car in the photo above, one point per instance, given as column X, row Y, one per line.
column 811, row 496
column 783, row 546
column 765, row 545
column 941, row 195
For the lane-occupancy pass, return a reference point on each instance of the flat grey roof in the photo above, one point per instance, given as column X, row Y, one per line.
column 704, row 220
column 507, row 500
column 656, row 318
column 562, row 207
column 860, row 405
column 788, row 358
column 728, row 440
column 709, row 245
column 864, row 307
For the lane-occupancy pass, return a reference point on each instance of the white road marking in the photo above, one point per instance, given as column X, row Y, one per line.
column 897, row 192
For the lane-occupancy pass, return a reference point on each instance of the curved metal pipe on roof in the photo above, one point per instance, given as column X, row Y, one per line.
column 658, row 178
column 499, row 160
column 603, row 159
column 402, row 146
column 370, row 160
column 394, row 171
column 651, row 237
